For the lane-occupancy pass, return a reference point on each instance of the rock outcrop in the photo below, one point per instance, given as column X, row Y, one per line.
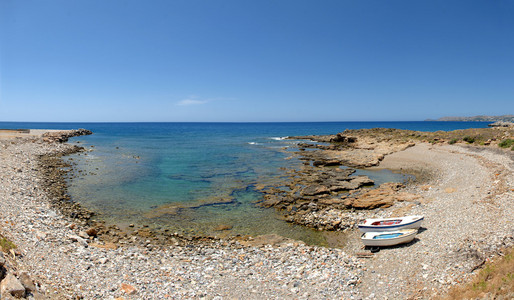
column 312, row 185
column 383, row 196
column 63, row 136
column 361, row 151
column 501, row 124
column 323, row 193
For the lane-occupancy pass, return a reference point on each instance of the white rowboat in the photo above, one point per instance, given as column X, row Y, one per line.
column 388, row 238
column 390, row 224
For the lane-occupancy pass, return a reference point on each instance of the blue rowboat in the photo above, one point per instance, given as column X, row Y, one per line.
column 388, row 238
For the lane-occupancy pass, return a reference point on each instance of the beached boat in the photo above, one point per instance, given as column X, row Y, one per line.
column 388, row 238
column 409, row 222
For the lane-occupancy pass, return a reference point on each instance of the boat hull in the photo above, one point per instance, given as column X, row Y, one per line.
column 411, row 222
column 390, row 238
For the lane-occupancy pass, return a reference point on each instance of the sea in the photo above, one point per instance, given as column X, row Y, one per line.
column 191, row 178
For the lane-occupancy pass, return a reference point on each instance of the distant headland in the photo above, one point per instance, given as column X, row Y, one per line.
column 504, row 118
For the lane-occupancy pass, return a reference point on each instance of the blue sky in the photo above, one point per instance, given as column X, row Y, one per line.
column 254, row 60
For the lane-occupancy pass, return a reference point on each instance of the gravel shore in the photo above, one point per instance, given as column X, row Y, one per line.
column 468, row 212
column 65, row 265
column 469, row 217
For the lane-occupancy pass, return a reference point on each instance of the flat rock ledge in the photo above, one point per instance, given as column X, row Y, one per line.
column 323, row 193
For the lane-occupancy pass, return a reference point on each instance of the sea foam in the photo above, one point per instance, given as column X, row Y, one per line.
column 279, row 138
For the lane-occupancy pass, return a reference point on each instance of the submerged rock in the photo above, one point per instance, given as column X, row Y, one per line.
column 223, row 227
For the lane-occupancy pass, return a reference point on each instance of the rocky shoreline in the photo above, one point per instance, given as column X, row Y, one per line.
column 66, row 260
column 65, row 253
column 460, row 181
column 323, row 193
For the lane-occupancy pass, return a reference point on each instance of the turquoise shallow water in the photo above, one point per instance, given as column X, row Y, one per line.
column 192, row 177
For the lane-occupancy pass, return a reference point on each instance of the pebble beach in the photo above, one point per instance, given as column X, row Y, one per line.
column 467, row 204
column 64, row 265
column 468, row 213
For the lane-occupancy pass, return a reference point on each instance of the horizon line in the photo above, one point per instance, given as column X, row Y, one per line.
column 92, row 122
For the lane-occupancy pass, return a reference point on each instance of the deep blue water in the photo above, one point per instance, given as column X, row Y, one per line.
column 192, row 177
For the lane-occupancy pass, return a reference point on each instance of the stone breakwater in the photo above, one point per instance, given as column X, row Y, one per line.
column 64, row 136
column 58, row 256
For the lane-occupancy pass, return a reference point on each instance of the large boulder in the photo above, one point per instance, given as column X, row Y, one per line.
column 27, row 282
column 10, row 285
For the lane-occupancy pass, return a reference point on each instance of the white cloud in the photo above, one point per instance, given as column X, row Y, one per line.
column 188, row 102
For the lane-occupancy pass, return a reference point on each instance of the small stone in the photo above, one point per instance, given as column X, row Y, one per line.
column 128, row 289
column 450, row 190
column 74, row 238
column 2, row 259
column 92, row 231
column 41, row 235
column 103, row 260
column 83, row 235
column 78, row 239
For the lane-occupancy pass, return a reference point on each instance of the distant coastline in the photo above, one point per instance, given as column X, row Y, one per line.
column 503, row 118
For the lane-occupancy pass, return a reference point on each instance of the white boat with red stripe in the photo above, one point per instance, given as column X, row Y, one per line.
column 390, row 224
